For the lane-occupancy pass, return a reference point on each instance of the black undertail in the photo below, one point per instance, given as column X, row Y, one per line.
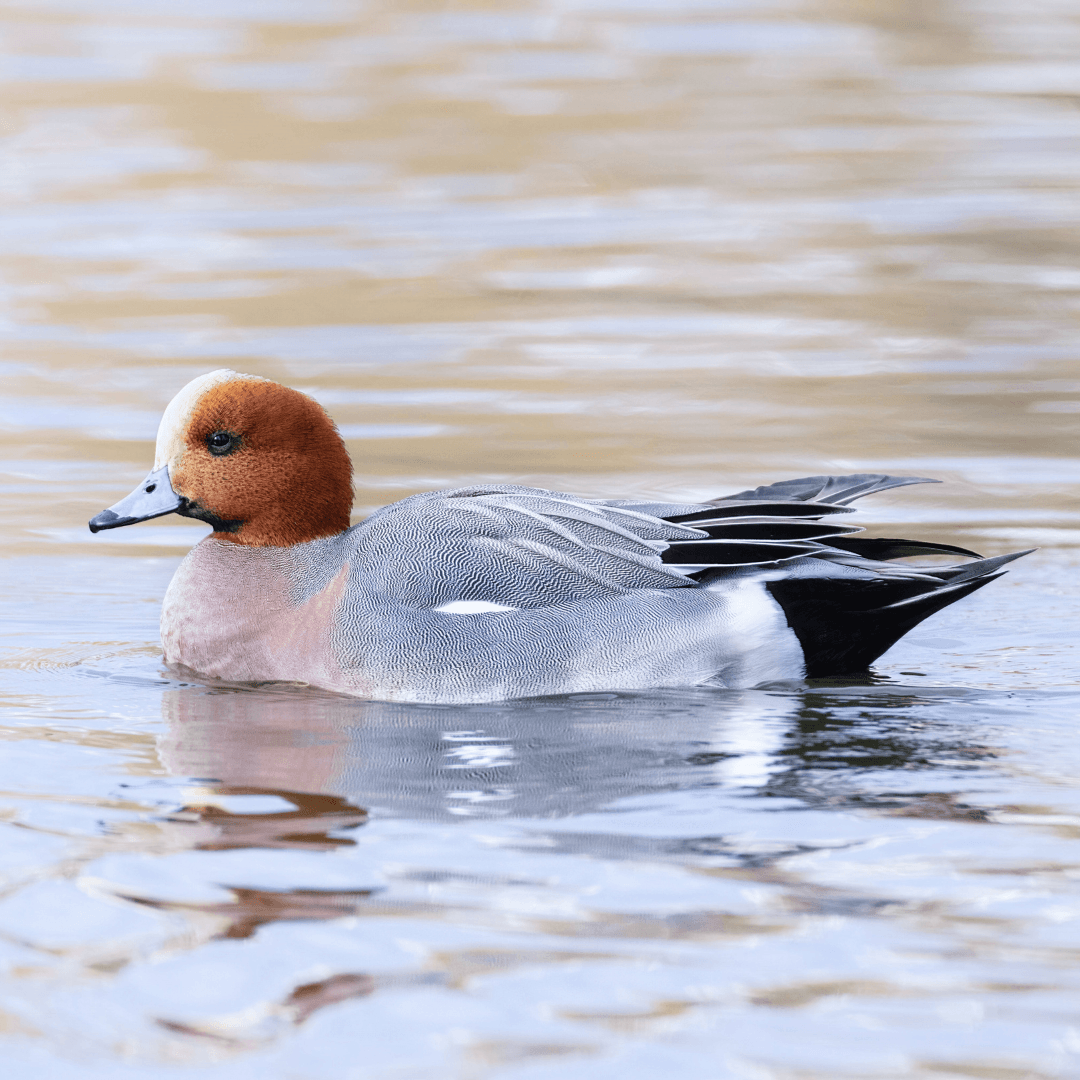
column 843, row 626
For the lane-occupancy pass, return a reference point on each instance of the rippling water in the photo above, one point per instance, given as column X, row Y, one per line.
column 620, row 247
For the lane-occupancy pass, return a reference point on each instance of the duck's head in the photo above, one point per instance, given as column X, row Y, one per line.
column 260, row 462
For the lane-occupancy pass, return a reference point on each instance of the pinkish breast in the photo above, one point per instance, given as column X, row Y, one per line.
column 229, row 614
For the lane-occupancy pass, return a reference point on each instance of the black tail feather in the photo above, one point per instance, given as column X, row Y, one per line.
column 773, row 529
column 765, row 508
column 726, row 553
column 979, row 569
column 884, row 549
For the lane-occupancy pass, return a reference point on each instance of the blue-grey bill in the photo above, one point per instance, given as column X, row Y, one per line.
column 152, row 498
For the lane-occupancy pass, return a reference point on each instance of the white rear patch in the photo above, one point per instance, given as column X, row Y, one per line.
column 472, row 607
column 172, row 431
column 768, row 650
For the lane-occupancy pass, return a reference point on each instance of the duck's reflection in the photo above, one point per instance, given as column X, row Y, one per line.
column 537, row 758
column 283, row 767
column 327, row 756
column 888, row 749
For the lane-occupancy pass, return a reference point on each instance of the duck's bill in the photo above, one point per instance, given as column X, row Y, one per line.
column 152, row 498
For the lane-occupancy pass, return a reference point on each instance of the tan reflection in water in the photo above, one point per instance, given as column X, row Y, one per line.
column 305, row 828
column 613, row 250
column 264, row 1022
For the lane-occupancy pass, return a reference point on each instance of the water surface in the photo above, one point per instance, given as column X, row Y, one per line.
column 617, row 247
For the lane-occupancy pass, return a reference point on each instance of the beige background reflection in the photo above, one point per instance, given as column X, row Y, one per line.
column 613, row 248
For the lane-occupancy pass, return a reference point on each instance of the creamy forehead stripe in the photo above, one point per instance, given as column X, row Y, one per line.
column 179, row 411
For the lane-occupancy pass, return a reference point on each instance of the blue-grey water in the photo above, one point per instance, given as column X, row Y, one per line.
column 662, row 248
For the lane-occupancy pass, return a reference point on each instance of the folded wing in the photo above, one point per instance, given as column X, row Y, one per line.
column 844, row 596
column 516, row 546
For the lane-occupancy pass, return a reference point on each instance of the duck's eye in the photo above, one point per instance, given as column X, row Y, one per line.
column 222, row 442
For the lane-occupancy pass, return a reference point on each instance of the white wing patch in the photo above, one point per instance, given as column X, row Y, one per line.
column 473, row 607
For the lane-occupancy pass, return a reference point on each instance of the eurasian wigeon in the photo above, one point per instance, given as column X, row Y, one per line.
column 498, row 591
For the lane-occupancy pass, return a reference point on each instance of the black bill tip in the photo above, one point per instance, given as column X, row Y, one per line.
column 107, row 520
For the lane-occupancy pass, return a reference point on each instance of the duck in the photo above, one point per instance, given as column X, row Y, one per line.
column 499, row 591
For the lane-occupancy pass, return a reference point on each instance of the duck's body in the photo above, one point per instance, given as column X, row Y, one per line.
column 397, row 609
column 482, row 594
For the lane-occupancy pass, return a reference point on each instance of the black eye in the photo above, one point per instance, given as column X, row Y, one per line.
column 222, row 442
